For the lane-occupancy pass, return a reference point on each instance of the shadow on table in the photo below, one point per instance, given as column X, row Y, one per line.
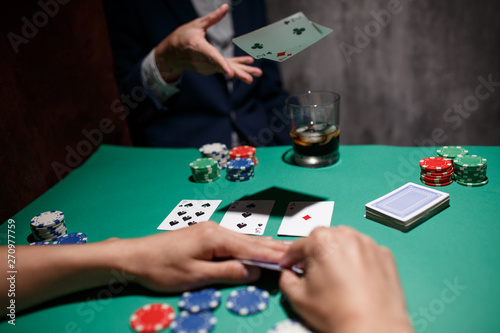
column 281, row 197
column 99, row 297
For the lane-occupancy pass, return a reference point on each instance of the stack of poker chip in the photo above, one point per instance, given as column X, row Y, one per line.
column 240, row 169
column 196, row 311
column 470, row 170
column 73, row 238
column 48, row 226
column 451, row 152
column 217, row 151
column 243, row 152
column 436, row 171
column 205, row 170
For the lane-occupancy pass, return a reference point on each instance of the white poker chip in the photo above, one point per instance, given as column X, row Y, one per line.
column 48, row 219
column 289, row 326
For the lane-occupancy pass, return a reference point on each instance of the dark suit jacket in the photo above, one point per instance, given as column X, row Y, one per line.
column 201, row 112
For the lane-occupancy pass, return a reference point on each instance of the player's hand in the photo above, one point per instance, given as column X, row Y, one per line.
column 351, row 283
column 187, row 49
column 184, row 259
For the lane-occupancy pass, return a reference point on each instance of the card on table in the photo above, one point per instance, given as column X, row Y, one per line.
column 407, row 206
column 283, row 39
column 301, row 217
column 248, row 216
column 189, row 212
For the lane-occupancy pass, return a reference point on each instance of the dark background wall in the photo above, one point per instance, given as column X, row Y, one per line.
column 400, row 79
column 409, row 73
column 57, row 93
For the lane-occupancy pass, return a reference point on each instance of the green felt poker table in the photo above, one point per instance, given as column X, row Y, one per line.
column 449, row 265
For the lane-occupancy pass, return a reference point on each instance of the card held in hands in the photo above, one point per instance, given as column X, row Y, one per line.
column 407, row 206
column 283, row 39
column 301, row 217
column 189, row 212
column 248, row 216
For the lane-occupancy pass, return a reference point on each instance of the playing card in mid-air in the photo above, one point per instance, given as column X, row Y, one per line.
column 301, row 217
column 248, row 216
column 189, row 212
column 283, row 39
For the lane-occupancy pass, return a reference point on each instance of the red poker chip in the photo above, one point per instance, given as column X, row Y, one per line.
column 242, row 152
column 436, row 174
column 436, row 164
column 255, row 160
column 436, row 180
column 152, row 317
column 436, row 184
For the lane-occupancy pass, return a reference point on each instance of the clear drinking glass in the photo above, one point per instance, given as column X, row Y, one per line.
column 315, row 127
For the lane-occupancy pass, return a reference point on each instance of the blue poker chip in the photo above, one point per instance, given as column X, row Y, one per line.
column 73, row 238
column 289, row 326
column 236, row 173
column 247, row 300
column 41, row 243
column 200, row 301
column 239, row 177
column 243, row 174
column 240, row 164
column 187, row 322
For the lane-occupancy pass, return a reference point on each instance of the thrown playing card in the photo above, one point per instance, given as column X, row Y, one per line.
column 248, row 217
column 301, row 217
column 283, row 39
column 189, row 212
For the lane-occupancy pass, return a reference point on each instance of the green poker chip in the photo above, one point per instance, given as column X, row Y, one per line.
column 207, row 180
column 205, row 170
column 473, row 184
column 470, row 180
column 469, row 163
column 477, row 172
column 207, row 173
column 452, row 151
column 204, row 163
column 198, row 177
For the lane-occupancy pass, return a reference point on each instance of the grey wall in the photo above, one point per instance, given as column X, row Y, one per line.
column 415, row 79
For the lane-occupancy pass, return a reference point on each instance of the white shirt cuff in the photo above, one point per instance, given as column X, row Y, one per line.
column 159, row 90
